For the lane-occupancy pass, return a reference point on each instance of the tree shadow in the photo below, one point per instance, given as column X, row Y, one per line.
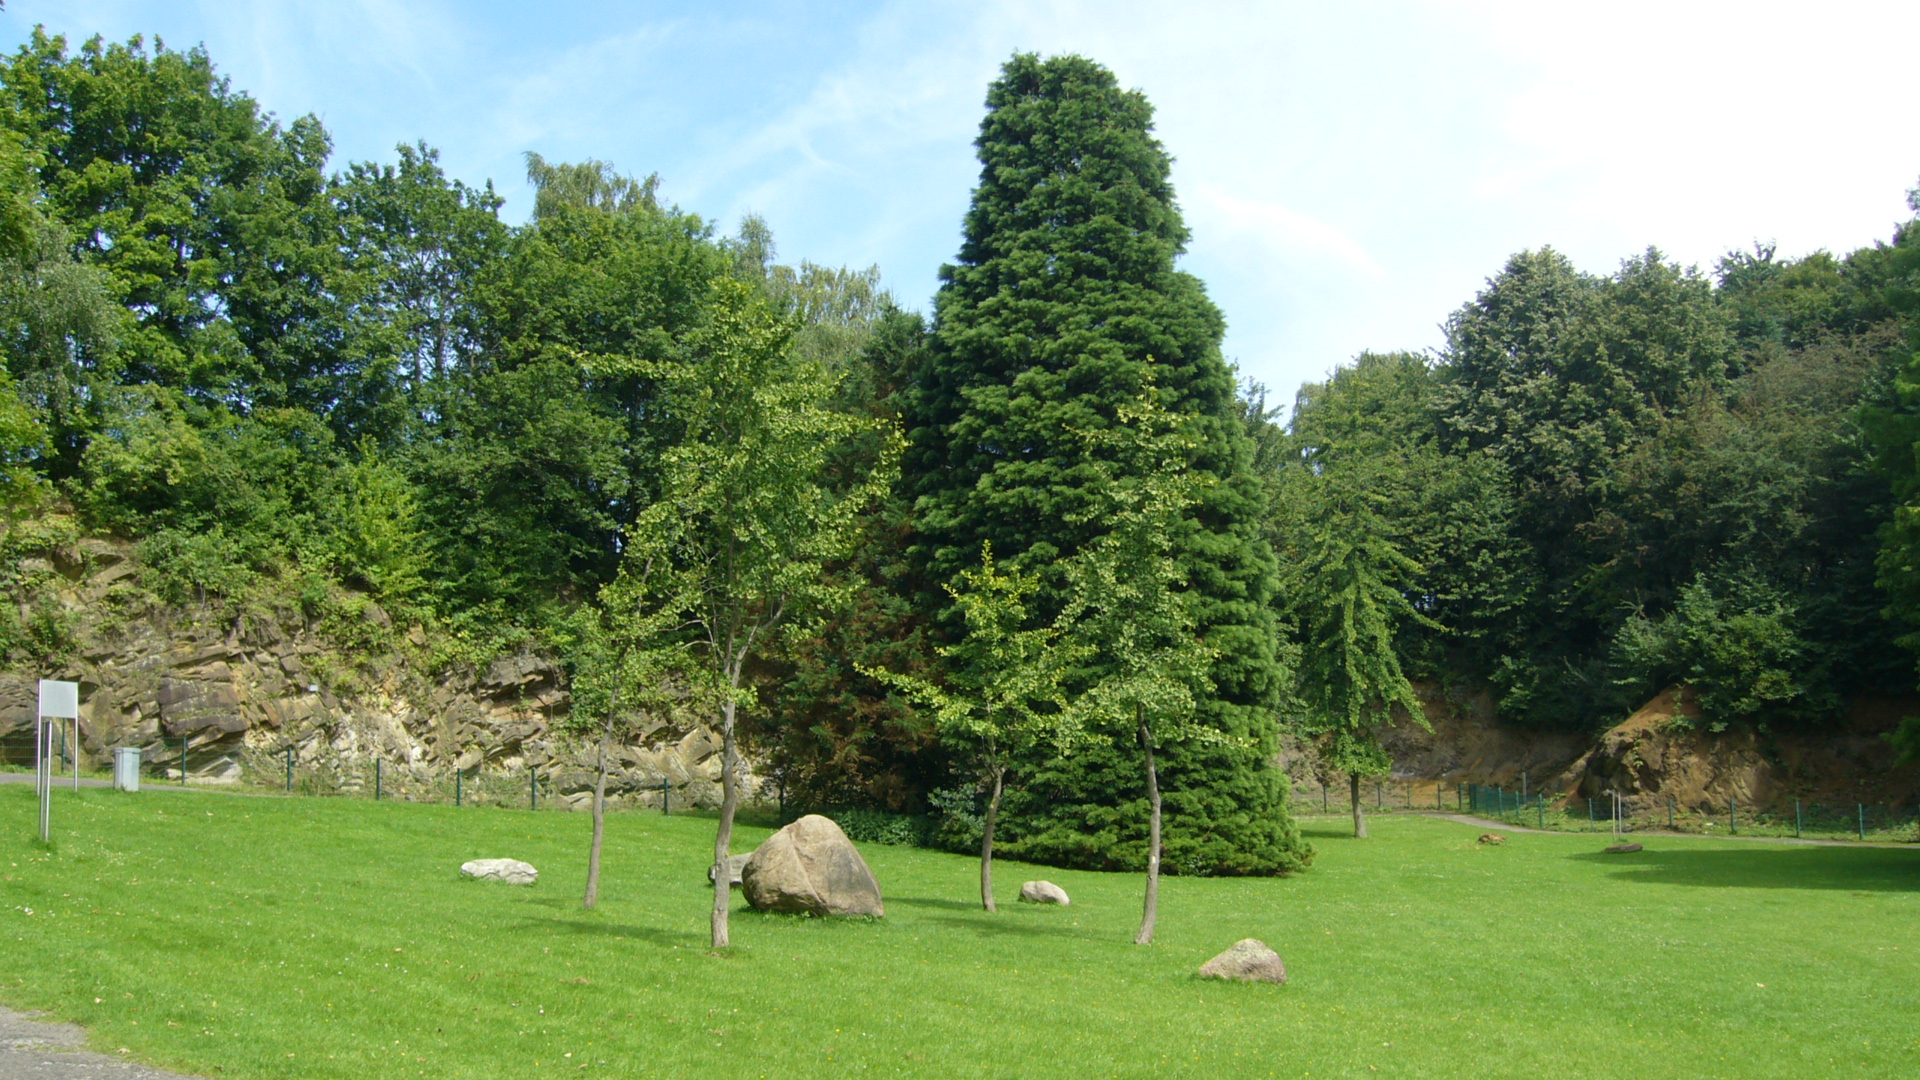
column 627, row 931
column 932, row 902
column 1000, row 925
column 1769, row 867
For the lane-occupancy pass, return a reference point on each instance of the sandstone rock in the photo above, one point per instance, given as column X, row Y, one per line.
column 1249, row 960
column 511, row 871
column 736, row 864
column 811, row 867
column 1623, row 849
column 1043, row 892
column 1492, row 838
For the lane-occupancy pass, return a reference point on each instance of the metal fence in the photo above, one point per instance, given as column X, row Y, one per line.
column 1520, row 806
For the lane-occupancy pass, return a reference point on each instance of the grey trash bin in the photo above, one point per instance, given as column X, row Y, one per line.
column 126, row 768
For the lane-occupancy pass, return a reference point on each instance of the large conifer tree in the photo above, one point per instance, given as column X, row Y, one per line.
column 1063, row 305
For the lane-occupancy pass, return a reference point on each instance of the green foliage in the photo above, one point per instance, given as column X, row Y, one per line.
column 1736, row 640
column 1063, row 306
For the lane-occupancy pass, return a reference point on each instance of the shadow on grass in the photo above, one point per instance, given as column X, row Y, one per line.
column 1000, row 925
column 597, row 928
column 930, row 902
column 1769, row 867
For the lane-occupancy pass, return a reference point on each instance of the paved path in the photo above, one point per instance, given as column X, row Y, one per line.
column 59, row 781
column 1625, row 835
column 33, row 1049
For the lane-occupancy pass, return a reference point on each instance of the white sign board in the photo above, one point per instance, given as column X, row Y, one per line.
column 60, row 699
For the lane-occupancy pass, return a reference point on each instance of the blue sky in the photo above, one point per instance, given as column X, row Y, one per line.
column 1352, row 172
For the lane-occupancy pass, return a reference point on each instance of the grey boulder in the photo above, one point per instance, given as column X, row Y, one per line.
column 1249, row 960
column 1043, row 892
column 810, row 867
column 735, row 864
column 511, row 871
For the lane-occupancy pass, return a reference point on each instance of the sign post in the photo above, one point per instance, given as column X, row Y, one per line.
column 58, row 701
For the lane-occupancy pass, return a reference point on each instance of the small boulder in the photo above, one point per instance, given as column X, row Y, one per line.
column 1043, row 892
column 511, row 871
column 810, row 867
column 1623, row 849
column 735, row 864
column 1492, row 838
column 1248, row 961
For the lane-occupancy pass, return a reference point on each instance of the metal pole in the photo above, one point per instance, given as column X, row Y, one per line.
column 76, row 752
column 289, row 770
column 43, row 776
column 1669, row 813
column 1523, row 783
column 376, row 779
column 1591, row 819
column 665, row 794
column 1796, row 819
column 1733, row 815
column 456, row 787
column 1863, row 819
column 533, row 789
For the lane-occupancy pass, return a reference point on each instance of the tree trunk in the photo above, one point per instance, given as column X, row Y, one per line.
column 1359, row 816
column 599, row 823
column 1150, row 910
column 986, row 841
column 723, row 839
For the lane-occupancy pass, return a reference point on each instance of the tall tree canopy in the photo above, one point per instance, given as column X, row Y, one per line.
column 1065, row 303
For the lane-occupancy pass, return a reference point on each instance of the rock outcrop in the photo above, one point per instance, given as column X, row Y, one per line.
column 810, row 867
column 222, row 698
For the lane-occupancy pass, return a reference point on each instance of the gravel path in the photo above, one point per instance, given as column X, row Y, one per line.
column 33, row 1049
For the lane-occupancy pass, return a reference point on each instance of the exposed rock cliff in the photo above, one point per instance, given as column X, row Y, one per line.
column 234, row 693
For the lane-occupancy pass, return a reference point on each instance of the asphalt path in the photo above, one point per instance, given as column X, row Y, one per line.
column 33, row 1049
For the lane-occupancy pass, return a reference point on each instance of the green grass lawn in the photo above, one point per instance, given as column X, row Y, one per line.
column 277, row 937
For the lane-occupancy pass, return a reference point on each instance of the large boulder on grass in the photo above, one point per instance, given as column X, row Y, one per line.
column 1248, row 961
column 735, row 865
column 511, row 871
column 811, row 868
column 1043, row 892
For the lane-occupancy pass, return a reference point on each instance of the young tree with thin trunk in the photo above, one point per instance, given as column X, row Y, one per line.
column 1347, row 592
column 747, row 514
column 1130, row 605
column 622, row 654
column 1003, row 695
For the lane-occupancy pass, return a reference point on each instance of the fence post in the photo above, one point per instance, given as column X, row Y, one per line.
column 289, row 770
column 1437, row 789
column 1523, row 784
column 1863, row 819
column 456, row 785
column 1409, row 794
column 533, row 789
column 1796, row 819
column 1379, row 796
column 1669, row 813
column 1591, row 820
column 376, row 779
column 666, row 794
column 1733, row 815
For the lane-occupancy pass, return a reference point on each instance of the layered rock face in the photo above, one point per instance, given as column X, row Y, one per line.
column 231, row 698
